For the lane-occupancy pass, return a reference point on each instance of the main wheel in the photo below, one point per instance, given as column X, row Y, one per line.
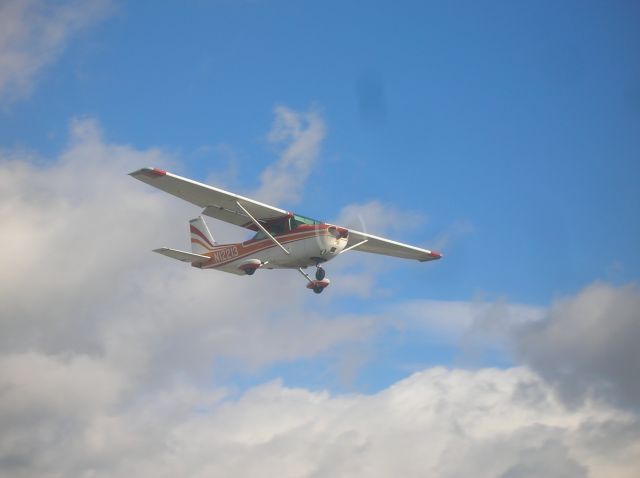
column 318, row 290
column 320, row 273
column 249, row 272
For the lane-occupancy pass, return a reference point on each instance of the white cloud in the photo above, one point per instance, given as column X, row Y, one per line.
column 78, row 275
column 93, row 323
column 454, row 320
column 378, row 218
column 302, row 135
column 447, row 238
column 438, row 422
column 33, row 33
column 108, row 354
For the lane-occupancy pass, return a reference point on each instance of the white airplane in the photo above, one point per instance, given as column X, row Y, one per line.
column 283, row 240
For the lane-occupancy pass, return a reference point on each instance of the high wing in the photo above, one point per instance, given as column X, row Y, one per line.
column 216, row 202
column 222, row 205
column 360, row 241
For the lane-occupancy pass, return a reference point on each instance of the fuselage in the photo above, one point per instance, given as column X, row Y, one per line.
column 308, row 245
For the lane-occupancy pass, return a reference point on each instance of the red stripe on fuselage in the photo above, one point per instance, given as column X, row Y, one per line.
column 260, row 246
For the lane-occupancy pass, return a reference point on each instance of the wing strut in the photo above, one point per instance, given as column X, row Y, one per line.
column 354, row 246
column 261, row 227
column 305, row 274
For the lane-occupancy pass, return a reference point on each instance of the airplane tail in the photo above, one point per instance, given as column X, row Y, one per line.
column 201, row 239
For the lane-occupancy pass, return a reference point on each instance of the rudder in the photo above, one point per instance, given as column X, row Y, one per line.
column 201, row 239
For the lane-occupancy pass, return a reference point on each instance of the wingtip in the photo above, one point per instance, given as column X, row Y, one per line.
column 432, row 256
column 435, row 255
column 148, row 172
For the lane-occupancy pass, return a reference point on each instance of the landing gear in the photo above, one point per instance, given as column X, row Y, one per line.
column 250, row 266
column 318, row 285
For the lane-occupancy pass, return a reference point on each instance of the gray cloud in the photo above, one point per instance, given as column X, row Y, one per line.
column 588, row 344
column 584, row 345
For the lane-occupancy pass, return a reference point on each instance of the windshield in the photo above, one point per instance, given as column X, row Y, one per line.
column 289, row 224
column 297, row 220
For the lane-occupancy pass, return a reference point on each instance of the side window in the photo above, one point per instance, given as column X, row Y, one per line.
column 283, row 226
column 277, row 228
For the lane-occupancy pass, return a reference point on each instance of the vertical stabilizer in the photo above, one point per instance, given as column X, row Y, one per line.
column 201, row 239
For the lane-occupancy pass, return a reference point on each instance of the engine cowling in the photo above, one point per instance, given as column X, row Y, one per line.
column 338, row 232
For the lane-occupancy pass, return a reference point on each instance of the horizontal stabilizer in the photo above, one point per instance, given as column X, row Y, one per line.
column 182, row 255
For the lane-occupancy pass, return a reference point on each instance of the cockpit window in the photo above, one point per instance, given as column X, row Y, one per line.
column 279, row 227
column 259, row 236
column 275, row 228
column 287, row 224
column 300, row 220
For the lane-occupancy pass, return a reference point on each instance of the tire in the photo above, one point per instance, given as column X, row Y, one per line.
column 318, row 290
column 249, row 272
column 320, row 273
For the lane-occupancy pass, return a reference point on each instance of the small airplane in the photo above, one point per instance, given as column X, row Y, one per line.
column 283, row 240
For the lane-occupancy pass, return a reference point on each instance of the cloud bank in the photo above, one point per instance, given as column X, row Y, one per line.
column 113, row 361
column 439, row 422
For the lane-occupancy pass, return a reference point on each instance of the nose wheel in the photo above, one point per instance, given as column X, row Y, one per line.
column 318, row 285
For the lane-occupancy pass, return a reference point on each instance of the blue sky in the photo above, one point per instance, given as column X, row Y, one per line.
column 520, row 120
column 515, row 128
column 505, row 133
